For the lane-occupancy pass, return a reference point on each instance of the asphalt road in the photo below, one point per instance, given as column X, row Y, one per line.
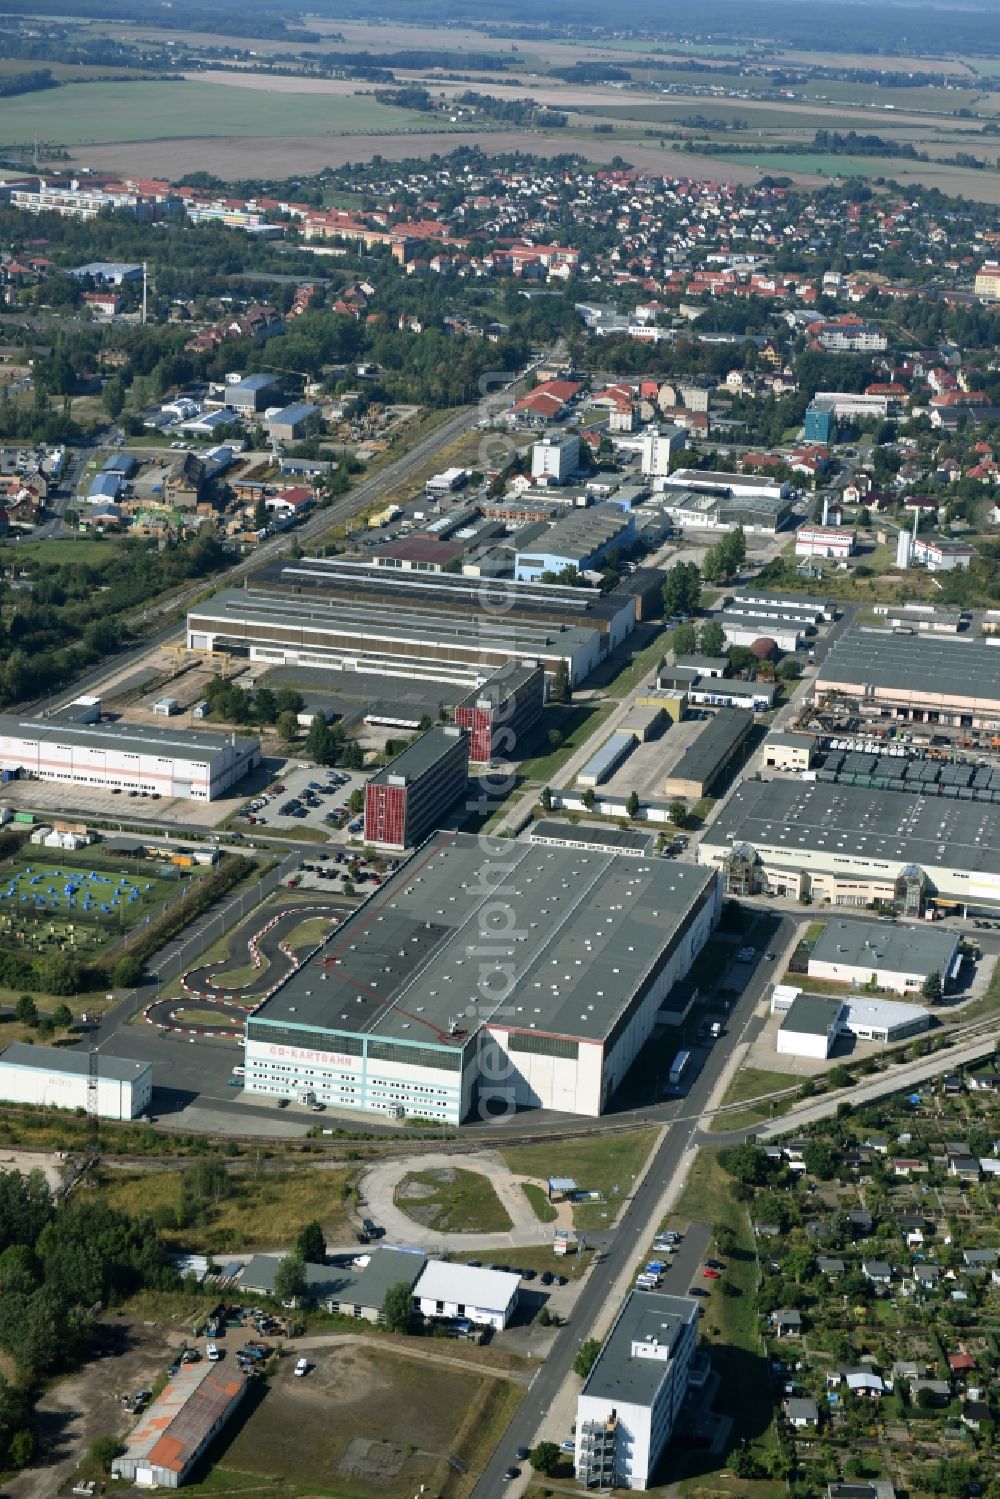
column 636, row 1223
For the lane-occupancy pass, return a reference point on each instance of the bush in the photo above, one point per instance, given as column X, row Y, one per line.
column 103, row 1451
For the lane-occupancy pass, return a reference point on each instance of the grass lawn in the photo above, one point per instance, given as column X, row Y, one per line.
column 452, row 1201
column 540, row 1204
column 309, row 934
column 639, row 667
column 607, row 1164
column 730, row 1327
column 398, row 1418
column 88, row 550
column 84, row 113
column 259, row 1213
column 754, row 1082
column 575, row 727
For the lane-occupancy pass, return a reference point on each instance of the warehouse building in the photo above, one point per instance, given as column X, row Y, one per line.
column 411, row 796
column 834, row 542
column 59, row 1079
column 810, row 1026
column 852, row 845
column 628, row 1407
column 246, row 394
column 953, row 681
column 605, row 761
column 432, row 999
column 356, row 1289
column 291, row 422
column 789, row 751
column 180, row 1424
column 895, row 956
column 502, row 711
column 705, row 761
column 73, row 748
column 747, row 629
column 450, row 1289
column 811, row 1023
column 405, row 591
column 922, row 618
column 386, row 639
column 782, row 605
column 584, row 540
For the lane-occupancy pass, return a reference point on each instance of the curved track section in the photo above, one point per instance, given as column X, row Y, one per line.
column 211, row 1007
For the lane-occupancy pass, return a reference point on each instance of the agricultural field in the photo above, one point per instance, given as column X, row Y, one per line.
column 94, row 113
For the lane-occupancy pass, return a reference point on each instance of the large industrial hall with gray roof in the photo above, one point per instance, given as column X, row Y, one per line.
column 523, row 977
column 853, row 845
column 946, row 679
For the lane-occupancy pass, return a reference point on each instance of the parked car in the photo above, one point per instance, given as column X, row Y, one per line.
column 301, row 1368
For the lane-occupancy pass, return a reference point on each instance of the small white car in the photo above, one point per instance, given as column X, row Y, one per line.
column 301, row 1368
column 212, row 1353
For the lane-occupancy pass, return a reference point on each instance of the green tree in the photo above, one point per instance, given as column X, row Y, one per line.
column 356, row 800
column 819, row 1160
column 265, row 704
column 62, row 1017
column 684, row 641
column 289, row 700
column 589, row 797
column 353, row 756
column 747, row 1163
column 290, row 1278
column 545, row 799
column 26, row 1011
column 586, row 1357
column 127, row 972
column 678, row 813
column 545, row 1458
column 790, row 669
column 712, row 639
column 103, row 1451
column 560, row 690
column 397, row 1307
column 632, row 805
column 113, row 397
column 311, row 1245
column 288, row 725
column 60, row 974
column 682, row 589
column 932, row 988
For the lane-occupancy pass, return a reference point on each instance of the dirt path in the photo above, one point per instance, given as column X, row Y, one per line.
column 379, row 1187
column 416, row 1349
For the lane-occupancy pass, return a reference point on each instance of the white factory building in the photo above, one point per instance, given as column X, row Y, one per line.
column 57, row 1079
column 555, row 457
column 75, row 747
column 485, row 1297
column 629, row 1404
column 811, row 1023
column 403, row 1012
column 892, row 955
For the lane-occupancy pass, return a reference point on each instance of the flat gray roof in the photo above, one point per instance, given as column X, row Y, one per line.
column 233, row 608
column 812, row 1015
column 721, row 733
column 360, row 1285
column 953, row 666
column 764, row 624
column 582, row 532
column 794, row 816
column 180, row 744
column 790, row 741
column 591, row 929
column 502, row 685
column 71, row 1063
column 618, row 1375
column 420, row 756
column 893, row 946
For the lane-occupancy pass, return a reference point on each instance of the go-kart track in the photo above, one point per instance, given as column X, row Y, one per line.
column 212, row 1007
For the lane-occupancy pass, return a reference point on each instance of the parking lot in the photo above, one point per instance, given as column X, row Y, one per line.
column 310, row 797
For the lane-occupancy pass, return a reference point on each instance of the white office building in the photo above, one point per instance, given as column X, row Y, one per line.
column 484, row 1297
column 659, row 444
column 58, row 1079
column 628, row 1407
column 895, row 956
column 555, row 457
